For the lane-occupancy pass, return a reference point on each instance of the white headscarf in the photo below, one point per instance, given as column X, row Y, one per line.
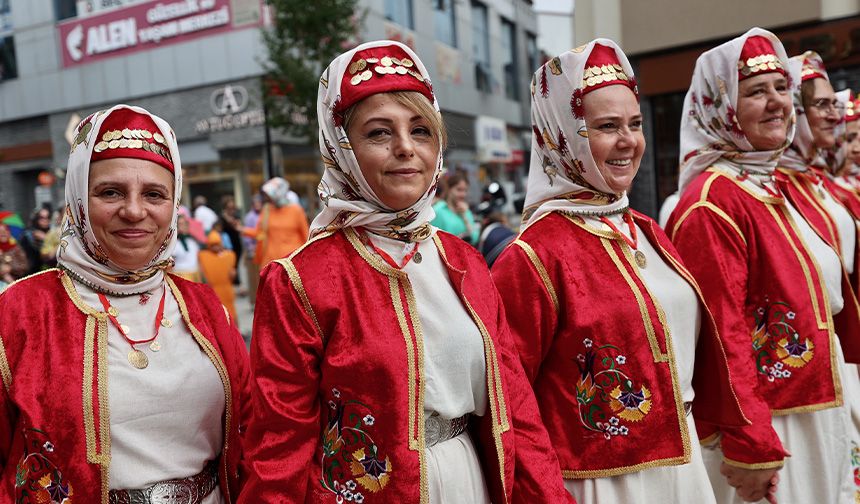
column 562, row 173
column 278, row 190
column 79, row 253
column 348, row 200
column 709, row 128
column 802, row 152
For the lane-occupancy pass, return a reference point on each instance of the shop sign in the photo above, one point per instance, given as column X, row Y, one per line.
column 491, row 138
column 229, row 104
column 145, row 26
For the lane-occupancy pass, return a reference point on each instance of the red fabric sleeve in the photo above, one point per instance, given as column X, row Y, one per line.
column 717, row 257
column 531, row 312
column 537, row 475
column 239, row 353
column 286, row 351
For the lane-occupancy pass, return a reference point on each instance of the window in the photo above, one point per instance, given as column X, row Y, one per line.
column 481, row 46
column 8, row 64
column 65, row 9
column 400, row 12
column 444, row 24
column 532, row 52
column 509, row 65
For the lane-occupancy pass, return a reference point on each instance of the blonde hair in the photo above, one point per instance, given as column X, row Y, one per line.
column 418, row 103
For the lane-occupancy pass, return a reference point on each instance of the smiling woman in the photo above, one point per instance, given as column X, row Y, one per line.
column 381, row 353
column 159, row 368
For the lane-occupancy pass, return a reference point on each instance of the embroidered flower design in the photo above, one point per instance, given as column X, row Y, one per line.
column 775, row 342
column 577, row 108
column 37, row 478
column 351, row 459
column 606, row 396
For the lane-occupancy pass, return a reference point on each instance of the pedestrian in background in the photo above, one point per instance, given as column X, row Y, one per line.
column 250, row 245
column 282, row 226
column 122, row 382
column 203, row 214
column 13, row 260
column 452, row 212
column 231, row 223
column 34, row 237
column 218, row 268
column 383, row 366
column 187, row 250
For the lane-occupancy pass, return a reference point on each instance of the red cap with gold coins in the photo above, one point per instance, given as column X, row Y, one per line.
column 380, row 70
column 852, row 108
column 129, row 134
column 604, row 69
column 758, row 57
column 812, row 68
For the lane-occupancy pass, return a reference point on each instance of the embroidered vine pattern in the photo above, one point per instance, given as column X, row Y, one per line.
column 37, row 478
column 776, row 343
column 855, row 469
column 351, row 461
column 606, row 396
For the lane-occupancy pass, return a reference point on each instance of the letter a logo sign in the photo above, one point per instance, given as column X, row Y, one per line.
column 73, row 42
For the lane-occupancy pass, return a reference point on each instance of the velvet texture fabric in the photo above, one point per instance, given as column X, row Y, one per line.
column 800, row 189
column 766, row 293
column 54, row 417
column 575, row 325
column 338, row 371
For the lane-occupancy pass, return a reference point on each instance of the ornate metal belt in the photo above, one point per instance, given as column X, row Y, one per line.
column 190, row 490
column 438, row 429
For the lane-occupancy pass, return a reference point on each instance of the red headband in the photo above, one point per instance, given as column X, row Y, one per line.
column 852, row 108
column 758, row 57
column 381, row 69
column 129, row 134
column 812, row 69
column 604, row 69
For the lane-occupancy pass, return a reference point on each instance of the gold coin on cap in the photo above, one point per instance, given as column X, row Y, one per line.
column 406, row 62
column 101, row 146
column 366, row 75
column 386, row 61
column 158, row 138
column 400, row 69
column 113, row 144
column 356, row 80
column 146, row 134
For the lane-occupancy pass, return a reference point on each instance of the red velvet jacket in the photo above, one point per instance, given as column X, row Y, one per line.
column 337, row 358
column 764, row 288
column 800, row 189
column 594, row 344
column 54, row 412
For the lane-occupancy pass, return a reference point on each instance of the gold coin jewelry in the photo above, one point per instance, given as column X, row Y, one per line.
column 633, row 241
column 417, row 258
column 641, row 261
column 137, row 358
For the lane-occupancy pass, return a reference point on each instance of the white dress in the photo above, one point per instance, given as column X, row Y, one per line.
column 818, row 441
column 669, row 484
column 166, row 420
column 454, row 370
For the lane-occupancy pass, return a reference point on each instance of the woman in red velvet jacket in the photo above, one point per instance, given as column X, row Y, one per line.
column 120, row 383
column 383, row 366
column 777, row 288
column 604, row 313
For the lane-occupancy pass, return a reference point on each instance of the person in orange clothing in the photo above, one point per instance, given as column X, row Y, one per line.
column 218, row 266
column 283, row 225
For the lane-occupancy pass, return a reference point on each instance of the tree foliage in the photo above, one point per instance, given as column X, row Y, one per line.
column 303, row 39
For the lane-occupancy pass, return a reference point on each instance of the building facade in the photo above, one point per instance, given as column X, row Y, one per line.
column 197, row 64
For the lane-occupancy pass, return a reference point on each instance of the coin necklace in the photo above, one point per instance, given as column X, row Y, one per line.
column 137, row 358
column 641, row 261
column 388, row 259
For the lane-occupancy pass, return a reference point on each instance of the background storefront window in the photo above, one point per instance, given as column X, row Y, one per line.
column 481, row 46
column 444, row 22
column 400, row 12
column 509, row 64
column 8, row 63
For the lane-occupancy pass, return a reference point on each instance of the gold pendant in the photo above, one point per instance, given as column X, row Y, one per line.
column 417, row 258
column 113, row 311
column 124, row 328
column 155, row 346
column 166, row 323
column 138, row 359
column 641, row 261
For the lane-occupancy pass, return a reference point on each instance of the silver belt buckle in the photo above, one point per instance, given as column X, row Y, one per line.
column 433, row 429
column 688, row 408
column 171, row 492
